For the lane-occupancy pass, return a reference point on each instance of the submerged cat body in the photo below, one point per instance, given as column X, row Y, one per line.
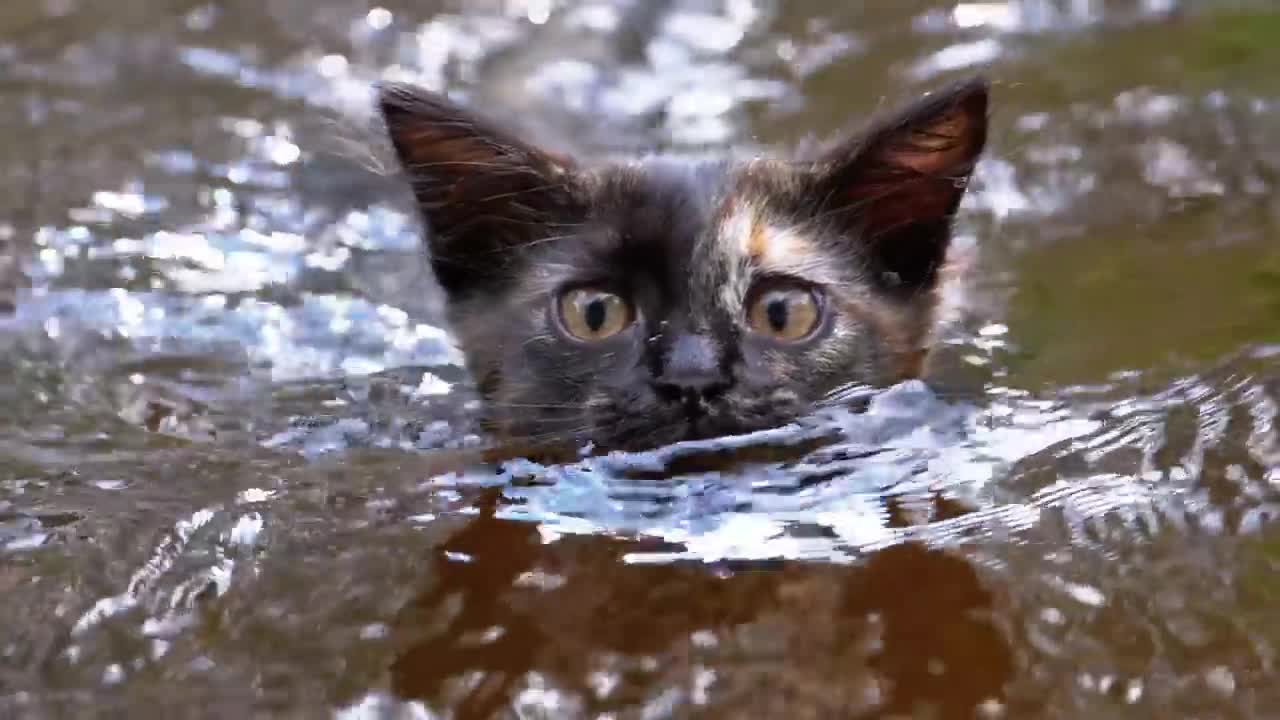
column 660, row 299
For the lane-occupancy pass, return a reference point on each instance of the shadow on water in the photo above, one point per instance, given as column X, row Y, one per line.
column 239, row 473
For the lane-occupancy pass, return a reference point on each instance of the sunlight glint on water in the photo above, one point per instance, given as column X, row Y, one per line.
column 229, row 382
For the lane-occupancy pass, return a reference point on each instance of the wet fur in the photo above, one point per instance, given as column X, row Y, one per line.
column 509, row 226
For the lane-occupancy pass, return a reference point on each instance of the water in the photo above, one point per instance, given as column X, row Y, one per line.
column 237, row 476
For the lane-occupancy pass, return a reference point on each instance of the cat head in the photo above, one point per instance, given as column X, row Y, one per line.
column 639, row 303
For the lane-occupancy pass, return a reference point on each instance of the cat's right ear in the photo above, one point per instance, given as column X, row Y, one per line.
column 483, row 193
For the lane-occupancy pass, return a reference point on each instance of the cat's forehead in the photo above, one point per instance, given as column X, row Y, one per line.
column 716, row 212
column 663, row 195
column 678, row 203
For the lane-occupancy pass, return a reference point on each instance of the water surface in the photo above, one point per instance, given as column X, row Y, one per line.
column 237, row 476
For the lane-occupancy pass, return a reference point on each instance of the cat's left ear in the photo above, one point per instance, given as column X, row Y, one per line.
column 896, row 188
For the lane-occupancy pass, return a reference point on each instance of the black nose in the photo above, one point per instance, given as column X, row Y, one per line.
column 692, row 371
column 690, row 389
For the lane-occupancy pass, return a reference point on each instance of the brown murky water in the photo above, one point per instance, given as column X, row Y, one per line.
column 227, row 474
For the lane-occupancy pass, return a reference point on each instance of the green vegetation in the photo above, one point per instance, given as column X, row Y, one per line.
column 1215, row 49
column 1176, row 294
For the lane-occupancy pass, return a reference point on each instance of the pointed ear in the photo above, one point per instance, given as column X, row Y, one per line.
column 483, row 193
column 896, row 187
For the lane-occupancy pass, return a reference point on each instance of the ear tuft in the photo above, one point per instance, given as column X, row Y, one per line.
column 429, row 130
column 942, row 135
column 899, row 184
column 481, row 191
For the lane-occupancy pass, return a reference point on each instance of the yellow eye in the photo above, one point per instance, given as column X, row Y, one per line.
column 784, row 313
column 593, row 314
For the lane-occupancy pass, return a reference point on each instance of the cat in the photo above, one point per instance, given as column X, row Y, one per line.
column 635, row 304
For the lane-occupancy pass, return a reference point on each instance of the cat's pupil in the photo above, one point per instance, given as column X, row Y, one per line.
column 595, row 314
column 777, row 314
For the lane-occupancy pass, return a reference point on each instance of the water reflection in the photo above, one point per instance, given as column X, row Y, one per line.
column 570, row 628
column 238, row 465
column 1041, row 16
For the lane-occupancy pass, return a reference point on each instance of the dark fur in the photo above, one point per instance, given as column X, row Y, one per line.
column 867, row 224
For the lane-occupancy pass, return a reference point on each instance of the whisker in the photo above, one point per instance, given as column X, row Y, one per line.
column 847, row 393
column 514, row 193
column 456, row 163
column 549, row 406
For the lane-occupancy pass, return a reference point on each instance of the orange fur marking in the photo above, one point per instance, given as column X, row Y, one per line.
column 758, row 240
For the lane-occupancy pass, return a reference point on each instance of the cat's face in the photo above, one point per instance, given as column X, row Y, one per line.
column 637, row 304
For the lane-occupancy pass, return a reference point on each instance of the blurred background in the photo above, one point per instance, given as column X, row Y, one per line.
column 224, row 371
